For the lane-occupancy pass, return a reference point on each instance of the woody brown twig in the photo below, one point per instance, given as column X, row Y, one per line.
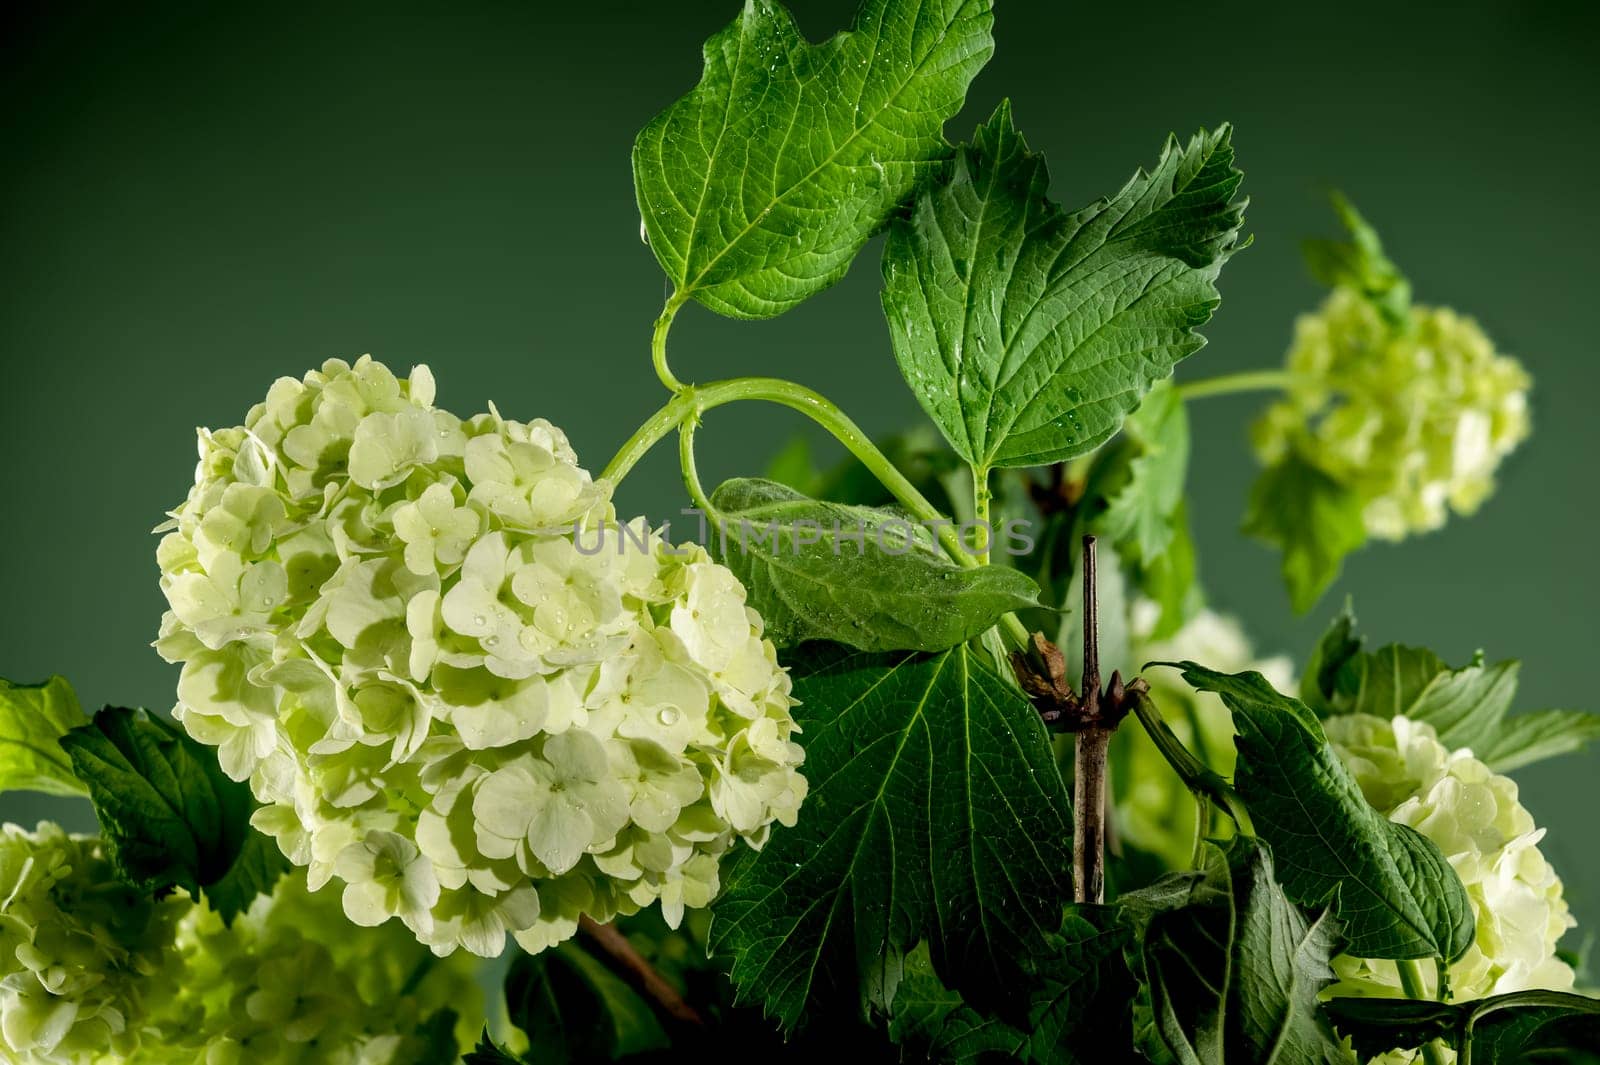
column 1092, row 718
column 617, row 954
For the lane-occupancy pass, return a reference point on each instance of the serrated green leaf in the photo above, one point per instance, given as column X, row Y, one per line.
column 169, row 816
column 1141, row 514
column 1510, row 1029
column 854, row 575
column 1468, row 707
column 1229, row 969
column 936, row 813
column 1027, row 333
column 33, row 718
column 1313, row 519
column 930, row 1021
column 758, row 187
column 573, row 1009
column 1537, row 735
column 1397, row 895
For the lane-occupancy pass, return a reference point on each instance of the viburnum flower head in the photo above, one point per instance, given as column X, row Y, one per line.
column 462, row 689
column 289, row 982
column 1488, row 836
column 77, row 950
column 1414, row 417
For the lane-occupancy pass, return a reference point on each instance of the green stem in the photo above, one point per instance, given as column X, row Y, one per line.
column 692, row 401
column 980, row 513
column 1412, row 983
column 1233, row 383
column 691, row 474
column 1198, row 777
column 658, row 343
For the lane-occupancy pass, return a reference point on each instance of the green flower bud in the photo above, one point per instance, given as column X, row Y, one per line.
column 459, row 686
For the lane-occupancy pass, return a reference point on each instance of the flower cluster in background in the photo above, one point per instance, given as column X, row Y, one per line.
column 76, row 949
column 291, row 981
column 458, row 685
column 1413, row 417
column 1487, row 835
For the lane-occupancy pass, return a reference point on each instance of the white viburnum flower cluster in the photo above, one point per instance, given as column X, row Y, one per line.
column 1154, row 811
column 458, row 685
column 77, row 950
column 289, row 981
column 1489, row 838
column 1414, row 420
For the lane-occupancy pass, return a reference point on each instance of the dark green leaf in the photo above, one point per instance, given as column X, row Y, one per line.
column 573, row 1009
column 758, row 187
column 1313, row 519
column 854, row 575
column 1141, row 515
column 1524, row 1026
column 1028, row 333
column 169, row 816
column 33, row 718
column 1082, row 991
column 435, row 1041
column 1397, row 896
column 1229, row 968
column 936, row 813
column 932, row 1022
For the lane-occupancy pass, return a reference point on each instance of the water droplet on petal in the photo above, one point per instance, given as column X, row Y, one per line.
column 667, row 715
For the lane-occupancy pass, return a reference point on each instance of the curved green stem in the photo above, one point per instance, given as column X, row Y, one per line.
column 691, row 474
column 658, row 343
column 1412, row 983
column 1198, row 777
column 692, row 401
column 1233, row 383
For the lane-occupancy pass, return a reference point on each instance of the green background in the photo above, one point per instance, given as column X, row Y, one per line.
column 194, row 204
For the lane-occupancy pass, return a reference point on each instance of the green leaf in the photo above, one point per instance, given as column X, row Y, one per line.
column 1537, row 735
column 858, row 576
column 1524, row 1026
column 936, row 813
column 758, row 187
column 1171, row 579
column 169, row 816
column 33, row 718
column 1229, row 969
column 1313, row 519
column 488, row 1053
column 1082, row 991
column 435, row 1040
column 932, row 1022
column 1360, row 264
column 1142, row 513
column 1396, row 895
column 1468, row 707
column 1340, row 644
column 573, row 1009
column 1028, row 333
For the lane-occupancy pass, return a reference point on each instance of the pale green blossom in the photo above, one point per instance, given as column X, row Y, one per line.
column 1414, row 418
column 1488, row 836
column 465, row 695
